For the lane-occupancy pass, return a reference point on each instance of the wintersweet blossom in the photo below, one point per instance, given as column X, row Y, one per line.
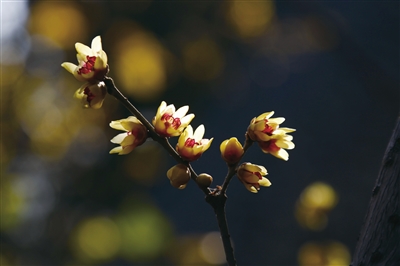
column 263, row 127
column 134, row 136
column 192, row 145
column 170, row 123
column 277, row 145
column 179, row 176
column 92, row 95
column 231, row 150
column 252, row 176
column 92, row 62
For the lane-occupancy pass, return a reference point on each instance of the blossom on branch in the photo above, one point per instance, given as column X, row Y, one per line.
column 92, row 62
column 134, row 136
column 192, row 145
column 252, row 176
column 179, row 176
column 231, row 150
column 92, row 95
column 171, row 123
column 277, row 144
column 270, row 137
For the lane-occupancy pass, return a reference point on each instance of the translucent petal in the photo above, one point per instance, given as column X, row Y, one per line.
column 251, row 188
column 116, row 150
column 69, row 67
column 181, row 112
column 83, row 49
column 261, row 136
column 199, row 133
column 281, row 154
column 96, row 44
column 287, row 129
column 276, row 120
column 126, row 149
column 128, row 140
column 119, row 138
column 285, row 144
column 264, row 182
column 117, row 125
column 186, row 120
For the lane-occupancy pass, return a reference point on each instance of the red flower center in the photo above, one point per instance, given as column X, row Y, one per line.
column 268, row 129
column 191, row 142
column 269, row 146
column 170, row 121
column 88, row 66
column 89, row 94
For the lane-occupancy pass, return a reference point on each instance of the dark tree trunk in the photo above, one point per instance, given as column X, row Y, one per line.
column 379, row 240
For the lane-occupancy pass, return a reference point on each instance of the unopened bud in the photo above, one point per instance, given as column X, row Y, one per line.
column 204, row 180
column 179, row 176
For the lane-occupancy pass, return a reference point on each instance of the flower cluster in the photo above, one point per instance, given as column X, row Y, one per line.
column 92, row 68
column 168, row 122
column 269, row 136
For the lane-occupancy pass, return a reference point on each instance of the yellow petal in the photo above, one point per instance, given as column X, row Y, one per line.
column 69, row 67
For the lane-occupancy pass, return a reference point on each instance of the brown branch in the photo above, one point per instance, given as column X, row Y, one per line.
column 379, row 240
column 217, row 199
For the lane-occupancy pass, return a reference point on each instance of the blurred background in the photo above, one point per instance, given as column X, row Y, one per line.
column 331, row 68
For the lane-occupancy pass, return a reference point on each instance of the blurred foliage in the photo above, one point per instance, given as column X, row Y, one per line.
column 66, row 201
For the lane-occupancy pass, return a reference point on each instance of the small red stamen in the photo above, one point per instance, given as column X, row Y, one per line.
column 88, row 66
column 268, row 129
column 89, row 94
column 170, row 121
column 190, row 143
column 269, row 146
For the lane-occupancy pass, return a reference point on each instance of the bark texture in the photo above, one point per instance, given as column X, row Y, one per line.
column 379, row 240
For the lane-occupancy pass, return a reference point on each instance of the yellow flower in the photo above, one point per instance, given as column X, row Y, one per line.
column 179, row 176
column 170, row 123
column 231, row 150
column 277, row 144
column 192, row 145
column 92, row 62
column 134, row 136
column 252, row 176
column 92, row 95
column 263, row 127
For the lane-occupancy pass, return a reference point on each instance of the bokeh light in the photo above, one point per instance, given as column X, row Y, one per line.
column 211, row 248
column 139, row 61
column 96, row 239
column 63, row 22
column 145, row 232
column 315, row 202
column 11, row 205
column 250, row 18
column 331, row 253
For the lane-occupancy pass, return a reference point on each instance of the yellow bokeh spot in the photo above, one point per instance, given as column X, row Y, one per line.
column 212, row 249
column 314, row 204
column 61, row 21
column 139, row 64
column 96, row 239
column 145, row 231
column 11, row 204
column 319, row 195
column 250, row 18
column 202, row 59
column 327, row 254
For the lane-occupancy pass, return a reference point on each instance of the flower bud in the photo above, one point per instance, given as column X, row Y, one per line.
column 231, row 150
column 204, row 180
column 92, row 95
column 179, row 176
